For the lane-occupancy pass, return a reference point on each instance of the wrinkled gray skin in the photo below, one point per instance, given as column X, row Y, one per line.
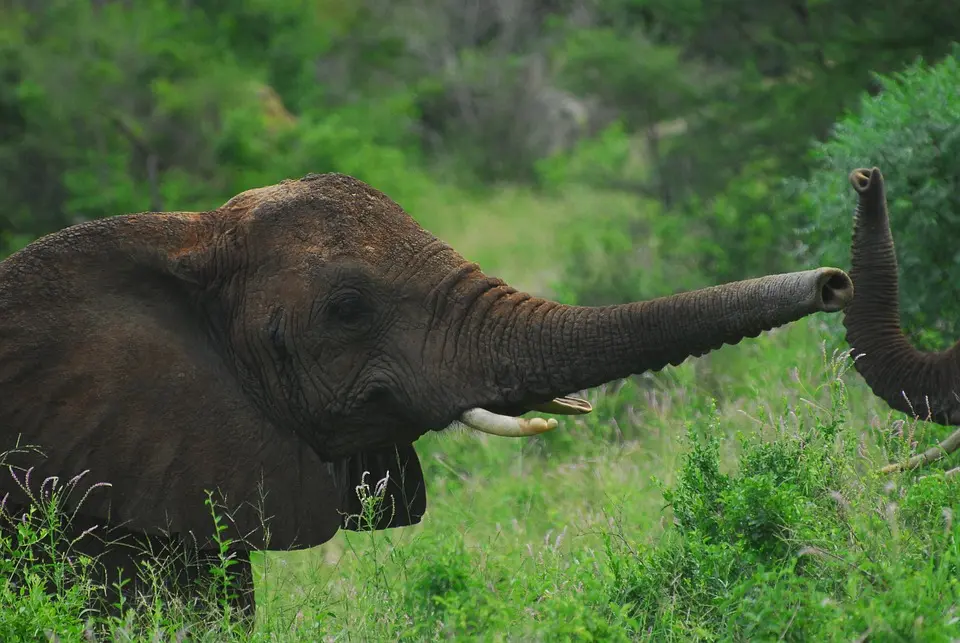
column 279, row 346
column 922, row 384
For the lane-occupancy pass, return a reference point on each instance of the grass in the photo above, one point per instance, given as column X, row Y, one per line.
column 735, row 497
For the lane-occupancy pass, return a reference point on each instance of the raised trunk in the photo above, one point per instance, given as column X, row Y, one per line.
column 539, row 349
column 924, row 384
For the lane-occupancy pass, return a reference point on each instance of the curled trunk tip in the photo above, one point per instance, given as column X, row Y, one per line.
column 863, row 179
column 872, row 200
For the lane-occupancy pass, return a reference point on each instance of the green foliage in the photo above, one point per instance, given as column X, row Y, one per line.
column 723, row 99
column 626, row 259
column 781, row 550
column 625, row 254
column 608, row 156
column 741, row 232
column 27, row 609
column 612, row 62
column 758, row 512
column 911, row 130
column 786, row 72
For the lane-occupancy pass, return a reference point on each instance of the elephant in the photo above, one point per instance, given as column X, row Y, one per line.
column 276, row 349
column 922, row 384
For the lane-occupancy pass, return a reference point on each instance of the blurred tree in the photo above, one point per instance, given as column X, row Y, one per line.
column 113, row 106
column 484, row 84
column 911, row 130
column 650, row 85
column 751, row 79
column 744, row 87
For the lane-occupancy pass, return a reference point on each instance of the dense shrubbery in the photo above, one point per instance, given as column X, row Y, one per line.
column 911, row 130
column 798, row 544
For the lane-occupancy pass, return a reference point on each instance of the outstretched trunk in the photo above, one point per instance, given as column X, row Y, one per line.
column 924, row 384
column 538, row 349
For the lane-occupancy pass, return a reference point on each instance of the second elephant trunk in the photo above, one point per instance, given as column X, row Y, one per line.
column 908, row 380
column 538, row 349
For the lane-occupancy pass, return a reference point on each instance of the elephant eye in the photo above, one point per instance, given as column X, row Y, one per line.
column 276, row 330
column 348, row 308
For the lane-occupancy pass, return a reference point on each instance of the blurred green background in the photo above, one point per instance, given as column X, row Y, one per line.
column 596, row 152
column 683, row 142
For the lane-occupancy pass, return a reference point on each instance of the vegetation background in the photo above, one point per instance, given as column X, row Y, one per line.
column 595, row 152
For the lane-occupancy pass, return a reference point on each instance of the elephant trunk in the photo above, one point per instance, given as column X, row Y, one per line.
column 914, row 382
column 538, row 349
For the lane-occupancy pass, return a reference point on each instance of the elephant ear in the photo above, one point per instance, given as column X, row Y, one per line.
column 110, row 365
column 381, row 488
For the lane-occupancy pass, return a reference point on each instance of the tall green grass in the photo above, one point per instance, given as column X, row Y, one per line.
column 735, row 497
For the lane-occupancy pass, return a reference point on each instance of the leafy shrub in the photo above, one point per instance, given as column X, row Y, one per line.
column 777, row 550
column 762, row 509
column 911, row 131
column 446, row 591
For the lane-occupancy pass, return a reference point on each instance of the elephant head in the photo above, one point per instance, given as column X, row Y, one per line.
column 281, row 345
column 925, row 384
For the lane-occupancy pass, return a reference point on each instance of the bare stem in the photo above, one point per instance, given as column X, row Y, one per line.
column 931, row 455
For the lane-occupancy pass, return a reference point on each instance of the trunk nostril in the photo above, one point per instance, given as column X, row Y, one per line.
column 860, row 180
column 863, row 179
column 836, row 292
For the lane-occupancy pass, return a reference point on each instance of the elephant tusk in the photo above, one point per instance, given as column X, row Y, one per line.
column 504, row 425
column 566, row 405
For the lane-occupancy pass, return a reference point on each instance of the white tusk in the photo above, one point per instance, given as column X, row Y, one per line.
column 504, row 425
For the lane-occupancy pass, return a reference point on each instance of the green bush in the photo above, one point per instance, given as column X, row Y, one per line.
column 795, row 544
column 911, row 131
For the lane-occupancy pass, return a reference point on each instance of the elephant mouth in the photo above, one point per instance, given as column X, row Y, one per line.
column 509, row 426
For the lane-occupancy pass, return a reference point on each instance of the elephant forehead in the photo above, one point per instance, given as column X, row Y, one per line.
column 365, row 239
column 328, row 197
column 326, row 216
column 249, row 199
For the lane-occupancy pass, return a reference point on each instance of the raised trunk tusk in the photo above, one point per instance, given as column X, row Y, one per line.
column 504, row 425
column 566, row 405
